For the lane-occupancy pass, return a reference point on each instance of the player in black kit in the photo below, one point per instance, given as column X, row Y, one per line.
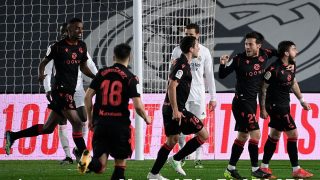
column 68, row 54
column 249, row 67
column 109, row 118
column 176, row 118
column 275, row 101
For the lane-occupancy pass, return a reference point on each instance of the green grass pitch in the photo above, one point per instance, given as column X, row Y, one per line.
column 137, row 170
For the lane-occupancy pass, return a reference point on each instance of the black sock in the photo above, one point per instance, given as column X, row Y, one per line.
column 187, row 149
column 161, row 158
column 253, row 152
column 79, row 141
column 269, row 149
column 236, row 152
column 29, row 132
column 293, row 151
column 95, row 165
column 118, row 173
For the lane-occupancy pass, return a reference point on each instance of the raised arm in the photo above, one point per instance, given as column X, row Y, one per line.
column 226, row 66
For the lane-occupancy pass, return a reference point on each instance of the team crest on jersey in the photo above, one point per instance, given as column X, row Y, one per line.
column 289, row 77
column 247, row 61
column 179, row 74
column 66, row 49
column 74, row 55
column 256, row 67
column 267, row 75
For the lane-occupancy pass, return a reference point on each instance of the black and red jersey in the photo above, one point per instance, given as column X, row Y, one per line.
column 114, row 86
column 280, row 81
column 67, row 59
column 180, row 72
column 249, row 72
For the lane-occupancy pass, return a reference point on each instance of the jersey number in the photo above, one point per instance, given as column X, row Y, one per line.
column 112, row 97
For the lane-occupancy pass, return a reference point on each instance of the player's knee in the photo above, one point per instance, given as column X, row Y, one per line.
column 172, row 140
column 203, row 134
column 243, row 137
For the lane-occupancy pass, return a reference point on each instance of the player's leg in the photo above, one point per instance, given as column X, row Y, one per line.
column 292, row 133
column 74, row 119
column 63, row 136
column 34, row 130
column 119, row 168
column 83, row 117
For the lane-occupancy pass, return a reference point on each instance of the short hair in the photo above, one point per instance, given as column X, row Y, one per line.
column 283, row 47
column 122, row 51
column 63, row 28
column 256, row 35
column 186, row 43
column 74, row 20
column 193, row 26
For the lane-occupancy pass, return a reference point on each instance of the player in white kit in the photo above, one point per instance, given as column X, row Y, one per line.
column 202, row 75
column 78, row 98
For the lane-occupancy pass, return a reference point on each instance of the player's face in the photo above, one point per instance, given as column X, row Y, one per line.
column 251, row 47
column 191, row 32
column 195, row 50
column 292, row 53
column 76, row 30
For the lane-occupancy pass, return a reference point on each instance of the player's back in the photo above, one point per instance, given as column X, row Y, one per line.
column 116, row 85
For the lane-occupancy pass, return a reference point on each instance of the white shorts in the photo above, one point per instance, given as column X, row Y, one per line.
column 79, row 98
column 197, row 108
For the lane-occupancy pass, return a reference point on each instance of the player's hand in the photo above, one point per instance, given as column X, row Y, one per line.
column 41, row 77
column 212, row 105
column 306, row 106
column 48, row 96
column 263, row 113
column 224, row 59
column 148, row 120
column 177, row 116
column 90, row 124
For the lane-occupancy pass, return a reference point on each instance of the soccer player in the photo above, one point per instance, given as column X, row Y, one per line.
column 201, row 67
column 275, row 101
column 78, row 98
column 249, row 67
column 176, row 118
column 68, row 54
column 109, row 118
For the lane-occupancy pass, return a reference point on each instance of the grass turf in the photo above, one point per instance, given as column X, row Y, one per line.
column 137, row 170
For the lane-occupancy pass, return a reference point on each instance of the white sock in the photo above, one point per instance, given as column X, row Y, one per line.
column 230, row 167
column 198, row 153
column 295, row 168
column 84, row 130
column 182, row 140
column 254, row 169
column 264, row 165
column 63, row 136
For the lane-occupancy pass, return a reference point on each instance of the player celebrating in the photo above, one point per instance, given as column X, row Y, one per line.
column 78, row 98
column 109, row 118
column 176, row 118
column 68, row 54
column 249, row 67
column 201, row 67
column 275, row 101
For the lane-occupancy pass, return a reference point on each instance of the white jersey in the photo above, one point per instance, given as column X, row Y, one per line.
column 201, row 67
column 79, row 94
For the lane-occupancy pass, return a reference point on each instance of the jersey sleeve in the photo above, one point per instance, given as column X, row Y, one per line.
column 209, row 74
column 91, row 65
column 47, row 80
column 270, row 74
column 177, row 72
column 133, row 87
column 51, row 51
column 95, row 83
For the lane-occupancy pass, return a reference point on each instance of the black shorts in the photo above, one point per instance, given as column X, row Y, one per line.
column 190, row 124
column 113, row 139
column 280, row 118
column 244, row 112
column 62, row 100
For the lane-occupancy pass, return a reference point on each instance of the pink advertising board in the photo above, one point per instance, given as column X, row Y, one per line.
column 23, row 110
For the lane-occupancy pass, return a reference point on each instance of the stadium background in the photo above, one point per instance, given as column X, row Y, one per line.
column 27, row 27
